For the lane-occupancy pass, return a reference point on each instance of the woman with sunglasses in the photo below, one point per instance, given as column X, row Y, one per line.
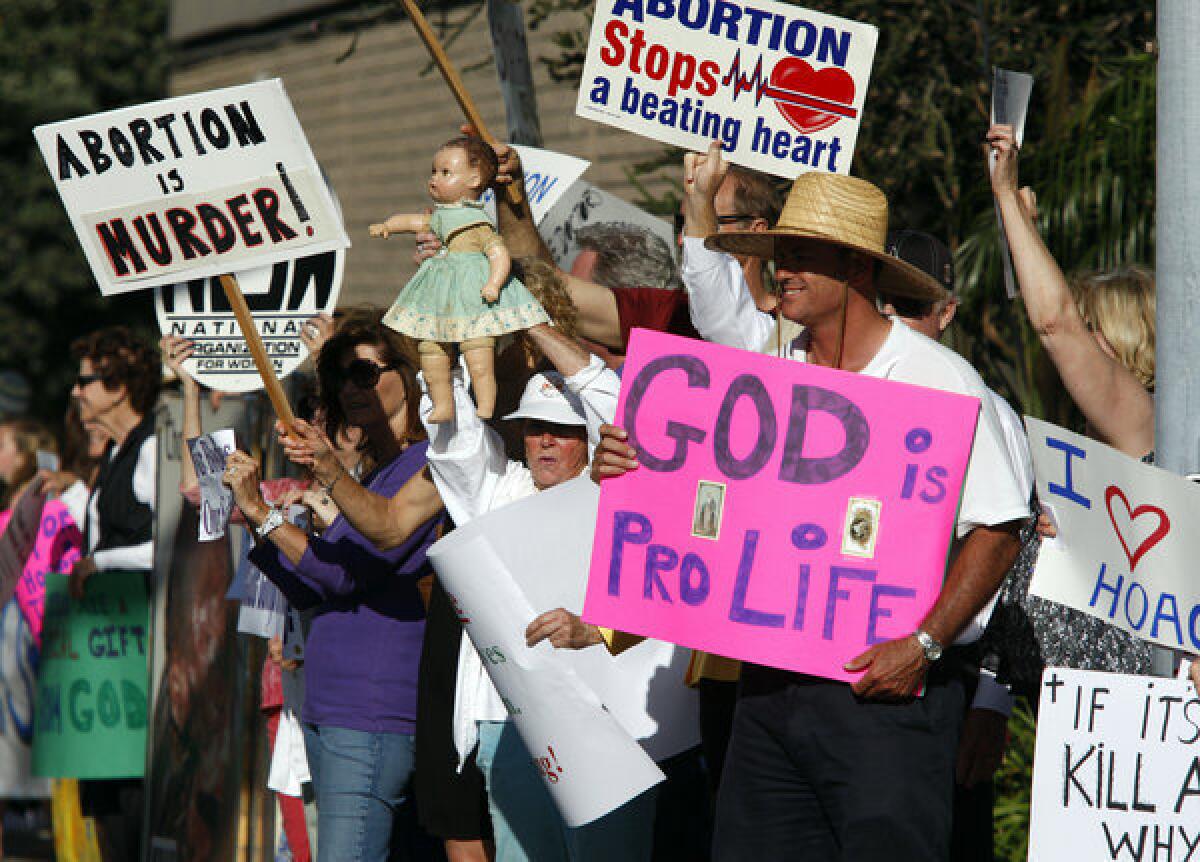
column 364, row 646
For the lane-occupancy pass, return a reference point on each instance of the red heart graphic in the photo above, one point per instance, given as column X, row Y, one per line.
column 1164, row 524
column 795, row 77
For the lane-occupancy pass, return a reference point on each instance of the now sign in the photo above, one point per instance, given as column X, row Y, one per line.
column 783, row 514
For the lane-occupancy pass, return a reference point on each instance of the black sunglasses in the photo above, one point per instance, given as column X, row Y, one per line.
column 85, row 380
column 721, row 219
column 364, row 373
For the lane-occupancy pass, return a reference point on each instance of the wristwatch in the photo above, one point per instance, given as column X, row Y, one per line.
column 273, row 521
column 931, row 648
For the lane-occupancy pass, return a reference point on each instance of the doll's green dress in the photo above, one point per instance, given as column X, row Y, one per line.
column 442, row 302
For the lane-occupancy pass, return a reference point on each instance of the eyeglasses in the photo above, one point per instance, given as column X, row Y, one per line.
column 363, row 373
column 721, row 219
column 85, row 380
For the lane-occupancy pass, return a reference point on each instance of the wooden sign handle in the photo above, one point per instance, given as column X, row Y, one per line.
column 454, row 82
column 266, row 370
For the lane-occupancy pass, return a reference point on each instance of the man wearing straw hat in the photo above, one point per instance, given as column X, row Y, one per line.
column 860, row 772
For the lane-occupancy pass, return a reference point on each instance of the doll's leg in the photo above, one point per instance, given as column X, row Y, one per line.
column 480, row 354
column 435, row 365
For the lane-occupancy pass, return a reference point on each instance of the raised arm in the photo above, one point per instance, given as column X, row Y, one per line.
column 400, row 223
column 175, row 350
column 1118, row 409
column 597, row 307
column 386, row 522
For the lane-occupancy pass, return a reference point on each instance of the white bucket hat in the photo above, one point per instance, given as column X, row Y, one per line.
column 547, row 398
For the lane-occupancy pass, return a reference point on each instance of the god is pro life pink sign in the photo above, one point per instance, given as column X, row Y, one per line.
column 783, row 514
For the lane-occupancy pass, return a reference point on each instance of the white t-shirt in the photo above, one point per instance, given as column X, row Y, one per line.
column 992, row 492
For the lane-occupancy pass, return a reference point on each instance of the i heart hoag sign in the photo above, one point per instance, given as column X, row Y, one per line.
column 191, row 187
column 782, row 513
column 781, row 87
column 1127, row 548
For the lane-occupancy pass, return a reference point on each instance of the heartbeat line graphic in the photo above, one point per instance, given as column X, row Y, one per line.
column 760, row 86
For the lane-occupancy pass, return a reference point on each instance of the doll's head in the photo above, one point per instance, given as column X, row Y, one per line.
column 462, row 168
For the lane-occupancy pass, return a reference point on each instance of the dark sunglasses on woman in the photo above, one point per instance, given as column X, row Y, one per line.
column 364, row 373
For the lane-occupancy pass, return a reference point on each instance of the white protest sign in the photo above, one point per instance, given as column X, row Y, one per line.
column 1127, row 549
column 1116, row 771
column 280, row 298
column 548, row 175
column 208, row 453
column 191, row 187
column 643, row 686
column 781, row 87
column 584, row 205
column 1010, row 104
column 591, row 765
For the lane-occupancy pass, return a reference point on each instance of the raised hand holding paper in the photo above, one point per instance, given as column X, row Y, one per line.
column 781, row 87
column 783, row 513
column 208, row 453
column 1125, row 551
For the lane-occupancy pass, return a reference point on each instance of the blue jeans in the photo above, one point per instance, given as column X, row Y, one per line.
column 526, row 822
column 361, row 780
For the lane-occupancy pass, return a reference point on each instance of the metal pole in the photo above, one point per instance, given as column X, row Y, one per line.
column 1177, row 392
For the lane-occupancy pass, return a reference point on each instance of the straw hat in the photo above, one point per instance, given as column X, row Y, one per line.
column 842, row 211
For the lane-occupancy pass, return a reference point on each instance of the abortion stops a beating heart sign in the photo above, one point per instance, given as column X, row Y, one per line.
column 1122, row 553
column 782, row 88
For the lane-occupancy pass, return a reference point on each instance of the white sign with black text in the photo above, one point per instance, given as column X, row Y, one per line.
column 1116, row 772
column 191, row 187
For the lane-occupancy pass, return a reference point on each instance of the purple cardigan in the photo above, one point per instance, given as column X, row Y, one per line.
column 368, row 621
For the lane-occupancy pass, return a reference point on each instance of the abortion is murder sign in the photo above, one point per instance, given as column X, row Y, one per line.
column 782, row 513
column 191, row 187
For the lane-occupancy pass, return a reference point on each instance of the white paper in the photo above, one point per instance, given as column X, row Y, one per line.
column 1128, row 545
column 208, row 453
column 1010, row 104
column 239, row 151
column 584, row 204
column 783, row 88
column 548, row 175
column 591, row 765
column 1116, row 772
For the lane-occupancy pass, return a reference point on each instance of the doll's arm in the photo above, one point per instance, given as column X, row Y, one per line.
column 499, row 264
column 401, row 223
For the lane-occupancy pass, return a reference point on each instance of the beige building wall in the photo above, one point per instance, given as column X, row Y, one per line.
column 374, row 122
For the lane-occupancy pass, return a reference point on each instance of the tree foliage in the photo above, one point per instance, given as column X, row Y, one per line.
column 61, row 60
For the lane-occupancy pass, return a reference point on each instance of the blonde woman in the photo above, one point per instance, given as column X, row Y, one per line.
column 1099, row 332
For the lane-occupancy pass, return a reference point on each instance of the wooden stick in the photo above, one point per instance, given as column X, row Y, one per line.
column 266, row 370
column 454, row 82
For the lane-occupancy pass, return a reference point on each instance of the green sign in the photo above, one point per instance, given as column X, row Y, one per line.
column 91, row 693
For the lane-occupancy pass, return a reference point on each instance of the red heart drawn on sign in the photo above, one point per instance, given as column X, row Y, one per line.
column 808, row 99
column 1164, row 524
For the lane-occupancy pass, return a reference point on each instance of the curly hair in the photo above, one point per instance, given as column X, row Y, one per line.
column 123, row 359
column 364, row 325
column 479, row 155
column 548, row 288
column 1121, row 304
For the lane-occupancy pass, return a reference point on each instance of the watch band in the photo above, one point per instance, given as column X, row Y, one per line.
column 273, row 521
column 932, row 649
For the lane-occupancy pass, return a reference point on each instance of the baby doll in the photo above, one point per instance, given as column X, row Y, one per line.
column 465, row 294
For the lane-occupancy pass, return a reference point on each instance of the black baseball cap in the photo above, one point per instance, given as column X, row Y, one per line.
column 924, row 251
